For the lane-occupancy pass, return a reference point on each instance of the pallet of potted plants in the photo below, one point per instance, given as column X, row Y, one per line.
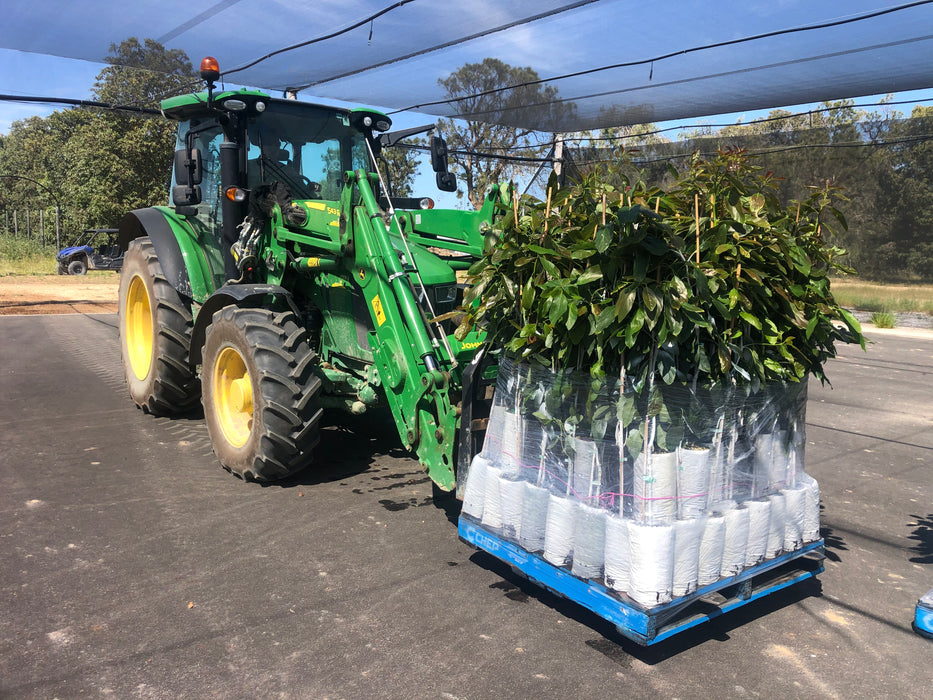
column 646, row 443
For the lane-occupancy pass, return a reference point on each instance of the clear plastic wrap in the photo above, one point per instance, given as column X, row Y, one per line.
column 654, row 491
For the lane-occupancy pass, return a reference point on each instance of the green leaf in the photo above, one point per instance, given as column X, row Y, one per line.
column 605, row 319
column 634, row 443
column 591, row 274
column 604, row 237
column 550, row 268
column 628, row 215
column 558, row 309
column 750, row 319
column 649, row 299
column 811, row 326
column 582, row 253
column 624, row 303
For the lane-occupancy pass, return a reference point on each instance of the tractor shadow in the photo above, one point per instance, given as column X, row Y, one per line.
column 350, row 445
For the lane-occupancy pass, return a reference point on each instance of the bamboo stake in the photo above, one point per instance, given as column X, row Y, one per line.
column 696, row 218
column 657, row 205
column 604, row 208
column 547, row 210
column 515, row 207
column 620, row 441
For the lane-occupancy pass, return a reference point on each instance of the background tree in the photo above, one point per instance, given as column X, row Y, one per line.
column 123, row 162
column 101, row 163
column 403, row 165
column 478, row 147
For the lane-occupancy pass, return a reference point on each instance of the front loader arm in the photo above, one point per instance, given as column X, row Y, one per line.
column 413, row 369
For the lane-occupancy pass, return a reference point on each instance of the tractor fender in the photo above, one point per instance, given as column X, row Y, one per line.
column 241, row 295
column 152, row 222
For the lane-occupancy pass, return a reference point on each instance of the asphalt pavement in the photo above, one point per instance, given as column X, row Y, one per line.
column 132, row 565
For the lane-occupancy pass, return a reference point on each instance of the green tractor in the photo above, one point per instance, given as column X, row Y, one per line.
column 284, row 280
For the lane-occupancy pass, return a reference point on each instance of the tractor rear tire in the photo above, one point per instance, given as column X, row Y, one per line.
column 77, row 267
column 261, row 395
column 155, row 335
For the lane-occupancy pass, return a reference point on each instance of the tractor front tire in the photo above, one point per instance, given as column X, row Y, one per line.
column 261, row 395
column 155, row 335
column 77, row 267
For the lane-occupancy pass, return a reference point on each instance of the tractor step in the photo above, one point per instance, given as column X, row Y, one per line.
column 923, row 619
column 648, row 626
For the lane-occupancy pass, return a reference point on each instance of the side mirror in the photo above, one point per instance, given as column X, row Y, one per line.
column 186, row 195
column 188, row 166
column 186, row 192
column 446, row 181
column 438, row 154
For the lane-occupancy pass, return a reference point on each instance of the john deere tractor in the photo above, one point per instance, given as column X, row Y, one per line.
column 285, row 281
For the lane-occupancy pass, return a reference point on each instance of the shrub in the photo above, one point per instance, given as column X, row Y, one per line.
column 883, row 319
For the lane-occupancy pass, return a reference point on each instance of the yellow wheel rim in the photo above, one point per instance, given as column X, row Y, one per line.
column 139, row 327
column 233, row 397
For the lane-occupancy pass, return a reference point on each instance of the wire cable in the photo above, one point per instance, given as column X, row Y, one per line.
column 673, row 54
column 453, row 42
column 80, row 103
column 309, row 42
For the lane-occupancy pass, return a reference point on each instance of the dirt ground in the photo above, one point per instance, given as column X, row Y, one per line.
column 57, row 294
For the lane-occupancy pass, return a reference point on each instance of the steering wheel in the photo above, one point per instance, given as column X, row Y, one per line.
column 312, row 189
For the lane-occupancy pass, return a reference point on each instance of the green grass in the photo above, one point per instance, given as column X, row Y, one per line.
column 20, row 256
column 889, row 298
column 883, row 319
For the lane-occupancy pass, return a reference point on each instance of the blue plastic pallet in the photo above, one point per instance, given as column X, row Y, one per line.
column 651, row 625
column 923, row 619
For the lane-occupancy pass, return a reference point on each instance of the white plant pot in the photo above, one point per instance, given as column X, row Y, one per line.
column 735, row 541
column 655, row 487
column 589, row 542
column 692, row 482
column 776, row 526
column 492, row 499
column 795, row 500
column 618, row 554
column 687, row 534
column 512, row 493
column 811, row 520
column 558, row 531
column 587, row 471
column 534, row 517
column 712, row 547
column 475, row 490
column 651, row 575
column 759, row 528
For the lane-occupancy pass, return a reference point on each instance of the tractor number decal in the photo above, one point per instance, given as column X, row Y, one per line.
column 377, row 308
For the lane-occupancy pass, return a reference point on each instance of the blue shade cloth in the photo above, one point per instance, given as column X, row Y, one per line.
column 604, row 63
